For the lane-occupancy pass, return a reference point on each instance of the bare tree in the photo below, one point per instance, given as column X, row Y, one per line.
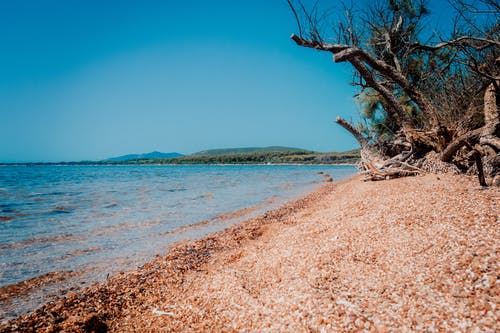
column 428, row 89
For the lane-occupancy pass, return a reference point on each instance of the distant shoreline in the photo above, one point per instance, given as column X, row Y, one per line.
column 165, row 164
column 240, row 156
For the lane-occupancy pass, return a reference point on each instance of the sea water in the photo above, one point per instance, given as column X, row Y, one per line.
column 104, row 219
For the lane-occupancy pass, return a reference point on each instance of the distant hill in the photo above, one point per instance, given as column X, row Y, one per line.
column 251, row 150
column 268, row 155
column 152, row 155
column 248, row 155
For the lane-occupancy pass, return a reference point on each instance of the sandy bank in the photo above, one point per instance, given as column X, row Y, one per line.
column 412, row 254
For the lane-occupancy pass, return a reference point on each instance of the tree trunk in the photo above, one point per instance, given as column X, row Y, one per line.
column 484, row 135
column 489, row 135
column 363, row 142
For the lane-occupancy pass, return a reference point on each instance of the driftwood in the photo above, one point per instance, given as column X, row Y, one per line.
column 403, row 170
column 376, row 165
column 418, row 132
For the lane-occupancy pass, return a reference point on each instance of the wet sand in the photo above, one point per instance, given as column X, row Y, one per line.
column 26, row 296
column 411, row 254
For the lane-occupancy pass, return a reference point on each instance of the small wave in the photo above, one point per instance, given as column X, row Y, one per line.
column 43, row 194
column 176, row 189
column 55, row 193
column 12, row 216
column 6, row 194
column 23, row 287
column 61, row 210
column 25, row 243
column 238, row 213
column 7, row 210
column 233, row 215
column 186, row 227
column 84, row 251
column 284, row 187
column 120, row 227
column 272, row 199
column 5, row 205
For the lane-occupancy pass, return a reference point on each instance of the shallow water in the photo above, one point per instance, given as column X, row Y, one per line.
column 101, row 219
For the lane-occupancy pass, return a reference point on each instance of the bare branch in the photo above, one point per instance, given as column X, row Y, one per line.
column 296, row 16
column 363, row 142
column 334, row 48
column 346, row 53
column 466, row 41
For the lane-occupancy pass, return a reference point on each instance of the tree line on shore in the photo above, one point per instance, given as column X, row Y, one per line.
column 284, row 157
column 254, row 157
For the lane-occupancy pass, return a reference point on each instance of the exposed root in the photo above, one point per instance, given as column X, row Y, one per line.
column 402, row 170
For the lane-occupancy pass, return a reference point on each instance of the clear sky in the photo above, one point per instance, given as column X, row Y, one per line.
column 87, row 80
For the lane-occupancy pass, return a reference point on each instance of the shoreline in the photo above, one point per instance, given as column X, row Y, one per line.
column 254, row 274
column 38, row 290
column 173, row 164
column 241, row 216
column 49, row 282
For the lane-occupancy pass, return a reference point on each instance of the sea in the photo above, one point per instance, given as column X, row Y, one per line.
column 90, row 222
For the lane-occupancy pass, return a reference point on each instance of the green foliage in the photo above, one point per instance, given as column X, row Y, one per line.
column 247, row 150
column 294, row 156
column 376, row 125
column 276, row 157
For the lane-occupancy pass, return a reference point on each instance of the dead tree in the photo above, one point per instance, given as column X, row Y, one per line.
column 394, row 63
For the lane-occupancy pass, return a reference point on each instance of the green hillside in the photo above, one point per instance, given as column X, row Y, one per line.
column 249, row 150
column 260, row 157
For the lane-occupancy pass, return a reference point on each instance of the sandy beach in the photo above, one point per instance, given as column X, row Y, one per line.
column 410, row 254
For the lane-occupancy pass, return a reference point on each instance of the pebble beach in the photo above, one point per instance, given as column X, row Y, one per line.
column 409, row 254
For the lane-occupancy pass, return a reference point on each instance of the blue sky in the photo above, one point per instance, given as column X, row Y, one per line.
column 87, row 80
